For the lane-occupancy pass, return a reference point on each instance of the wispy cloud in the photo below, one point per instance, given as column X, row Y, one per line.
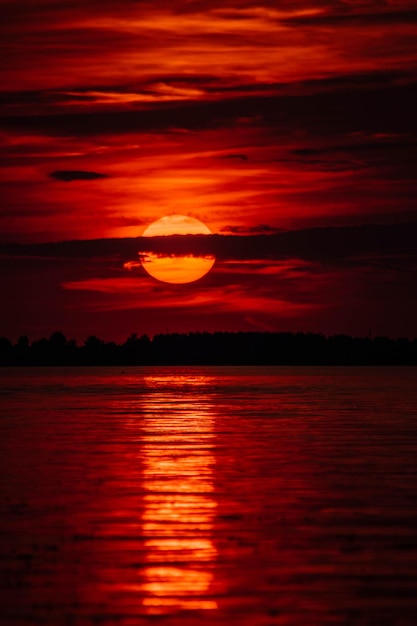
column 288, row 127
column 332, row 245
column 68, row 176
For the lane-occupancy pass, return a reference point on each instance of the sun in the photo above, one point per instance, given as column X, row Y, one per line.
column 176, row 269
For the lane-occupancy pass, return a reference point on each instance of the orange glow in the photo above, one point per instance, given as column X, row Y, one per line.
column 255, row 118
column 253, row 44
column 179, row 505
column 176, row 269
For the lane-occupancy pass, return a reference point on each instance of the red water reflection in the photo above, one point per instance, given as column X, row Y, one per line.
column 179, row 504
column 269, row 496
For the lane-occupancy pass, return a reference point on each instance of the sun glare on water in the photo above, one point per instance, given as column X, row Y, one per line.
column 174, row 268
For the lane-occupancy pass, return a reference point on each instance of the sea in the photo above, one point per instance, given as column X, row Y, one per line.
column 181, row 496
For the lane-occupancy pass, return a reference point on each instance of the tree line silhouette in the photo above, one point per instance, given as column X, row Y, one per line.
column 219, row 348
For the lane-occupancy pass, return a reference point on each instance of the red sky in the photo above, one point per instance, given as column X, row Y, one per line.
column 289, row 128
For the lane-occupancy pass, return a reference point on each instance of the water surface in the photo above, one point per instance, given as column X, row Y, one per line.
column 215, row 495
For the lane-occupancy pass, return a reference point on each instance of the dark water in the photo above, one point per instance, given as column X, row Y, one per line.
column 247, row 496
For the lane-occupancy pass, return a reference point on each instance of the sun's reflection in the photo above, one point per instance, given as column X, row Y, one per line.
column 179, row 504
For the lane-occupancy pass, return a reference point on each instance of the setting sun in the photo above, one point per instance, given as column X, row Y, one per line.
column 174, row 268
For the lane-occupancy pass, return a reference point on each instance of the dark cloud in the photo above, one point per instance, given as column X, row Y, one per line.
column 216, row 87
column 333, row 245
column 345, row 111
column 241, row 157
column 68, row 176
column 324, row 165
column 335, row 19
column 395, row 144
column 395, row 158
column 213, row 82
column 244, row 230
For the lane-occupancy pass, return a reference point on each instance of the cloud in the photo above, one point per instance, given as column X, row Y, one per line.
column 217, row 299
column 395, row 144
column 170, row 87
column 330, row 245
column 245, row 230
column 377, row 18
column 241, row 157
column 68, row 176
column 340, row 110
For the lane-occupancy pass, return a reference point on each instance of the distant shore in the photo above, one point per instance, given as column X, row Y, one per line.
column 219, row 348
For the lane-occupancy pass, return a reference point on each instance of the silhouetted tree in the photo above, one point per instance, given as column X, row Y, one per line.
column 241, row 348
column 6, row 351
column 21, row 350
column 40, row 352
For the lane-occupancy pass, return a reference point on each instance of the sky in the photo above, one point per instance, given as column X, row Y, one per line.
column 288, row 128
